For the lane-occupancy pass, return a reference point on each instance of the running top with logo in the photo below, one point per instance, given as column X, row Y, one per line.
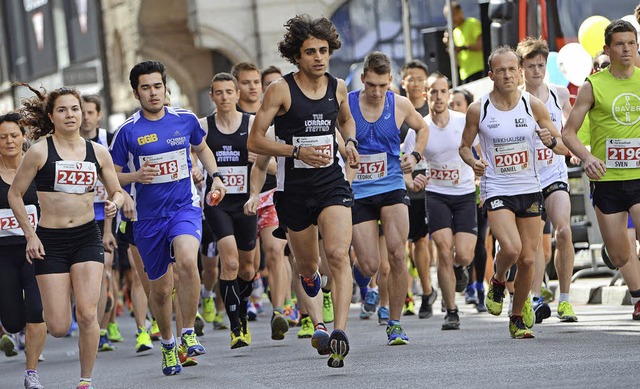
column 75, row 177
column 309, row 122
column 270, row 180
column 615, row 124
column 508, row 139
column 232, row 158
column 10, row 231
column 164, row 144
column 100, row 194
column 379, row 149
column 421, row 167
column 448, row 173
column 551, row 166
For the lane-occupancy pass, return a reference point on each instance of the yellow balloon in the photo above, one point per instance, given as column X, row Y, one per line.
column 591, row 33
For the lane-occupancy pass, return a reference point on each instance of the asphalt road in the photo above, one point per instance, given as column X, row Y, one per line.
column 601, row 350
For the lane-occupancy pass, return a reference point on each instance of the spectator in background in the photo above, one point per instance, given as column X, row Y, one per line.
column 467, row 40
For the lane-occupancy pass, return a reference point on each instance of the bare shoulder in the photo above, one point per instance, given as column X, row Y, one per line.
column 204, row 124
column 404, row 104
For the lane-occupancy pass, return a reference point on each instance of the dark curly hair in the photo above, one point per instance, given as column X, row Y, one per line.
column 35, row 110
column 302, row 27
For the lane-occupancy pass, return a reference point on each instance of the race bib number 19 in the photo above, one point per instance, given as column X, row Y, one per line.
column 173, row 165
column 623, row 153
column 9, row 224
column 234, row 178
column 325, row 142
column 372, row 167
column 544, row 157
column 512, row 158
column 75, row 177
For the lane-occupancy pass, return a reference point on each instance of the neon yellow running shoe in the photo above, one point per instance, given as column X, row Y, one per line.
column 409, row 306
column 113, row 333
column 208, row 309
column 154, row 332
column 306, row 328
column 518, row 330
column 495, row 295
column 565, row 312
column 186, row 360
column 327, row 308
column 238, row 341
column 218, row 322
column 143, row 340
column 170, row 361
column 528, row 317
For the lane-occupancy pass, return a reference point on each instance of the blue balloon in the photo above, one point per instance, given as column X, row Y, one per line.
column 555, row 75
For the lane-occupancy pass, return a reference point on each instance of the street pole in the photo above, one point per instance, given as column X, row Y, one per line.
column 406, row 31
column 452, row 48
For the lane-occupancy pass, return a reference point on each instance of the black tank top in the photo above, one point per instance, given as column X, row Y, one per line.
column 30, row 199
column 58, row 175
column 307, row 122
column 232, row 157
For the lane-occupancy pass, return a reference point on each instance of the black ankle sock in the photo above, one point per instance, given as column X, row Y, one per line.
column 326, row 290
column 244, row 292
column 635, row 293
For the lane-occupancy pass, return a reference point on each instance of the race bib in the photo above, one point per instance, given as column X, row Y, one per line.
column 372, row 167
column 323, row 141
column 512, row 158
column 445, row 174
column 544, row 157
column 172, row 164
column 234, row 178
column 9, row 224
column 75, row 177
column 623, row 153
column 100, row 194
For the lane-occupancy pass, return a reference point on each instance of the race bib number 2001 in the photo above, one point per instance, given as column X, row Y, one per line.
column 511, row 158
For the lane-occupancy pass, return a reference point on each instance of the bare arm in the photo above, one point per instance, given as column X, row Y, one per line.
column 468, row 136
column 416, row 122
column 109, row 179
column 565, row 102
column 548, row 130
column 347, row 125
column 209, row 162
column 257, row 178
column 593, row 167
column 273, row 103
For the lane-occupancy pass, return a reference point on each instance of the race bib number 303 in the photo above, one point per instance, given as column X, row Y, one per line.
column 325, row 142
column 234, row 178
column 9, row 224
column 75, row 177
column 372, row 167
column 512, row 158
column 173, row 165
column 623, row 153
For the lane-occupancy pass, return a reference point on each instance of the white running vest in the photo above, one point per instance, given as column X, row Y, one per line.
column 508, row 140
column 551, row 166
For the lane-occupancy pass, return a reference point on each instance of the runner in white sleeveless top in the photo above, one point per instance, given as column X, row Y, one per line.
column 450, row 194
column 553, row 179
column 508, row 122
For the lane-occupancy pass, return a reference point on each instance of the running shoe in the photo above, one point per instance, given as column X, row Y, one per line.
column 245, row 330
column 546, row 294
column 311, row 285
column 495, row 297
column 320, row 340
column 426, row 308
column 170, row 361
column 528, row 317
column 252, row 311
column 541, row 309
column 306, row 328
column 279, row 326
column 84, row 385
column 154, row 332
column 480, row 307
column 113, row 332
column 462, row 277
column 636, row 311
column 198, row 324
column 104, row 344
column 218, row 322
column 208, row 309
column 190, row 341
column 395, row 334
column 364, row 314
column 186, row 360
column 143, row 340
column 409, row 306
column 327, row 307
column 32, row 381
column 470, row 296
column 451, row 321
column 565, row 312
column 339, row 345
column 7, row 346
column 238, row 340
column 74, row 325
column 371, row 300
column 292, row 315
column 383, row 315
column 518, row 329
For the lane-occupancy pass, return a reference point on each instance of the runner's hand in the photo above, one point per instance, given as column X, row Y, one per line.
column 480, row 167
column 419, row 182
column 109, row 242
column 545, row 136
column 353, row 158
column 35, row 249
column 313, row 156
column 251, row 206
column 594, row 168
column 219, row 186
column 146, row 173
column 407, row 163
column 128, row 207
column 110, row 209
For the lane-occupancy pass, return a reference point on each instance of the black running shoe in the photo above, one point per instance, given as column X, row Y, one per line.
column 462, row 278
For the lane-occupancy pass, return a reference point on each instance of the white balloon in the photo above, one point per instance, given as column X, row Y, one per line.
column 632, row 19
column 575, row 63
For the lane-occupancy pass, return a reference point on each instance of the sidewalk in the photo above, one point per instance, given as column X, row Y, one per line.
column 595, row 290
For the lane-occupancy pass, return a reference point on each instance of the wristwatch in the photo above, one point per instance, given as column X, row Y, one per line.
column 217, row 174
column 350, row 139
